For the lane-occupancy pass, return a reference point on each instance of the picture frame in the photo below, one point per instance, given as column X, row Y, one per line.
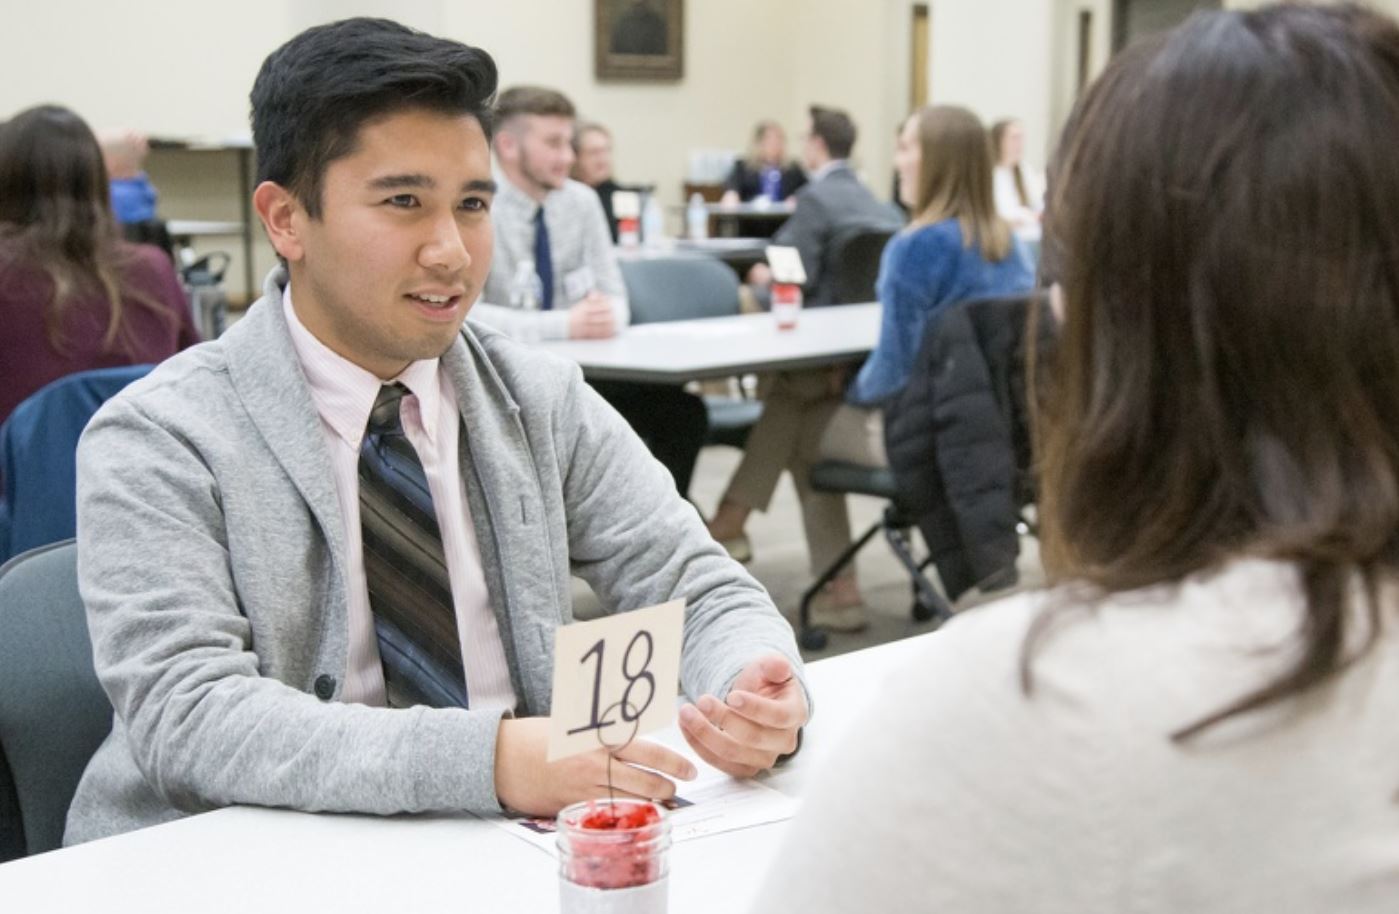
column 639, row 40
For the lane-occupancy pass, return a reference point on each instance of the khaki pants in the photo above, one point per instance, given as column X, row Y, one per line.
column 801, row 410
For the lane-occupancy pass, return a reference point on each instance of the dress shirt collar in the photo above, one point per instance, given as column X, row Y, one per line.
column 344, row 392
column 509, row 194
column 829, row 167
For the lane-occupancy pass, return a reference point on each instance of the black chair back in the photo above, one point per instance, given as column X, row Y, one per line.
column 855, row 265
column 152, row 232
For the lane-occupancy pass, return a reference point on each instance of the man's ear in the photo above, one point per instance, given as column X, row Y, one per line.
column 506, row 145
column 283, row 217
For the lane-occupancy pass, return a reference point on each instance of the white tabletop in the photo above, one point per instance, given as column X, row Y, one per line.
column 674, row 352
column 186, row 228
column 718, row 248
column 760, row 210
column 251, row 859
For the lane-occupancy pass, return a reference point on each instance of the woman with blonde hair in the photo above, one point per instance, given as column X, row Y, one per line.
column 766, row 171
column 1199, row 713
column 73, row 295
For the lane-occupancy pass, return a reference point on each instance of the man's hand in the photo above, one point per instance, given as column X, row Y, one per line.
column 759, row 722
column 592, row 318
column 759, row 274
column 526, row 782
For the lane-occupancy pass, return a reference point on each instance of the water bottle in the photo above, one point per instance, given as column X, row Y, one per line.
column 697, row 218
column 772, row 184
column 526, row 290
column 652, row 221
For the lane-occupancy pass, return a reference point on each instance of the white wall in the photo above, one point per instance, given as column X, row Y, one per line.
column 995, row 57
column 184, row 69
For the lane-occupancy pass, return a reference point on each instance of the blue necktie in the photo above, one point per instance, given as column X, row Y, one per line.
column 405, row 567
column 543, row 261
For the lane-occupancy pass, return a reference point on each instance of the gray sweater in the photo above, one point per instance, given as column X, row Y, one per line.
column 211, row 560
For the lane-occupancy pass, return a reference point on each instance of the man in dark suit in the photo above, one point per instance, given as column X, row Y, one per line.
column 833, row 206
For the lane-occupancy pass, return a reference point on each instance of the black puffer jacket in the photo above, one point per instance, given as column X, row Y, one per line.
column 959, row 440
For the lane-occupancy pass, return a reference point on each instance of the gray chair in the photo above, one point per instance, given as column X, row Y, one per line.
column 53, row 712
column 679, row 288
column 684, row 288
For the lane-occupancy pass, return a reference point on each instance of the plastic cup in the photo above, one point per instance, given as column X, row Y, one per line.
column 614, row 857
column 786, row 304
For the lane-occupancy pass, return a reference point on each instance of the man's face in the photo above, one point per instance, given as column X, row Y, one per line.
column 594, row 157
column 545, row 150
column 388, row 272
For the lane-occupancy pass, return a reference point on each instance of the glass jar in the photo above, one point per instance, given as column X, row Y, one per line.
column 614, row 857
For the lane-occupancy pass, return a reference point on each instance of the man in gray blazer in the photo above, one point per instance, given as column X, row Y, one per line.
column 324, row 557
column 832, row 206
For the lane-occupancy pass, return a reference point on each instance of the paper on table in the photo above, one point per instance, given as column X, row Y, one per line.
column 711, row 804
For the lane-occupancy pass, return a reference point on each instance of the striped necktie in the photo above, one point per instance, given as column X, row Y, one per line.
column 405, row 567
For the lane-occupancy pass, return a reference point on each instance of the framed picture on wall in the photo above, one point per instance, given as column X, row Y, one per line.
column 640, row 39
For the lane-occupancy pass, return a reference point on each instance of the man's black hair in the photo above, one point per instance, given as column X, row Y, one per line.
column 314, row 93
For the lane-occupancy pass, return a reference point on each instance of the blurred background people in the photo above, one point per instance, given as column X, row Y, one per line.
column 766, row 171
column 1019, row 192
column 955, row 249
column 832, row 206
column 592, row 146
column 554, row 273
column 1198, row 714
column 73, row 295
column 133, row 197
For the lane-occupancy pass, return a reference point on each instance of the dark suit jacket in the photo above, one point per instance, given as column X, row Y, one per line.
column 748, row 181
column 829, row 210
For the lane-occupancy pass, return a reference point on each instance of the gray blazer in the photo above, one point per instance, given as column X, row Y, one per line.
column 828, row 211
column 212, row 561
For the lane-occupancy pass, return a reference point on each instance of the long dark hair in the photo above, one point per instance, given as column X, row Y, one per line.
column 1226, row 381
column 56, row 212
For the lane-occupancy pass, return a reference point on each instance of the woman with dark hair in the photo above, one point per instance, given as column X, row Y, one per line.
column 1199, row 713
column 73, row 296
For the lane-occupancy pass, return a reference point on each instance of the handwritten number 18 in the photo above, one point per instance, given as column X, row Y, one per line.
column 629, row 711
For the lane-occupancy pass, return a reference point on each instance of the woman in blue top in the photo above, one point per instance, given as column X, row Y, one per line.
column 955, row 248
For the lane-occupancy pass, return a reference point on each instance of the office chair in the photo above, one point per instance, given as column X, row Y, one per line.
column 959, row 449
column 683, row 288
column 855, row 264
column 53, row 712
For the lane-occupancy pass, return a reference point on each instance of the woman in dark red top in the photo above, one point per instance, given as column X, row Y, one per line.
column 73, row 296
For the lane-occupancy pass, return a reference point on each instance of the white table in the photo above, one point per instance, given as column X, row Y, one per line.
column 191, row 228
column 674, row 352
column 748, row 249
column 249, row 859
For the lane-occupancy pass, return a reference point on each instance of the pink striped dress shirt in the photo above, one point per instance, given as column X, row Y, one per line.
column 344, row 394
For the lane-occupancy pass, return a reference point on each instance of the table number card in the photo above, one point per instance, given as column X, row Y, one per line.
column 786, row 264
column 615, row 678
